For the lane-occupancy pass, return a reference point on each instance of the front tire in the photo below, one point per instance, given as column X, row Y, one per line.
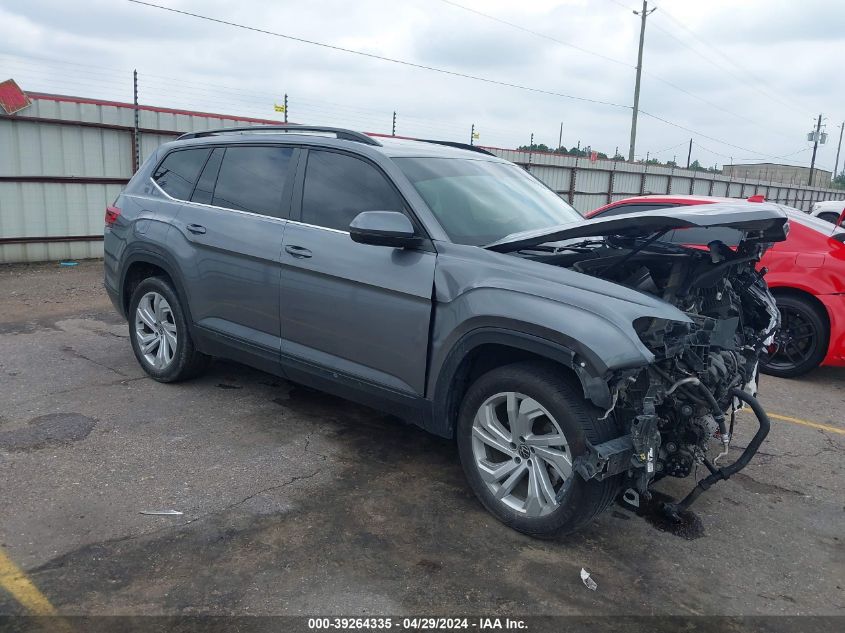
column 801, row 343
column 520, row 428
column 159, row 333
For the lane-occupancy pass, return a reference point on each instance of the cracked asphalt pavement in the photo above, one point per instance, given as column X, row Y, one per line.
column 295, row 502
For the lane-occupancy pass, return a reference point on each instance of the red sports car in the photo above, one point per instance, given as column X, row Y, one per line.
column 806, row 273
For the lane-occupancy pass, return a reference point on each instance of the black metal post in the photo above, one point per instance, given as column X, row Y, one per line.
column 136, row 134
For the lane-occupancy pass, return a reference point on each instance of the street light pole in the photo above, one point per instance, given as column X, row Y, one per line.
column 643, row 15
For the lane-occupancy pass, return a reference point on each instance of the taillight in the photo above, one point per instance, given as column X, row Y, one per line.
column 112, row 213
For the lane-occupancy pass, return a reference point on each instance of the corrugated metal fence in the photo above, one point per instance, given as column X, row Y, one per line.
column 587, row 185
column 64, row 159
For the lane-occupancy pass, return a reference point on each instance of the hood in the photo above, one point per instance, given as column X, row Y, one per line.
column 760, row 221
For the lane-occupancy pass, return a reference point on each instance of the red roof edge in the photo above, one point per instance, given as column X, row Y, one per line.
column 120, row 104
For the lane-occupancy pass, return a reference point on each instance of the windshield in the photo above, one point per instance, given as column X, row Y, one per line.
column 478, row 202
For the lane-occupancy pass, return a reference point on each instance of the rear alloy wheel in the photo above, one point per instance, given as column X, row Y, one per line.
column 155, row 330
column 801, row 342
column 159, row 333
column 520, row 429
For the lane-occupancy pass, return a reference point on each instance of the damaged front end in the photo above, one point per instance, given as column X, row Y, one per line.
column 676, row 408
column 678, row 411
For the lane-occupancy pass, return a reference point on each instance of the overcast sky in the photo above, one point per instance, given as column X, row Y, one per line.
column 758, row 70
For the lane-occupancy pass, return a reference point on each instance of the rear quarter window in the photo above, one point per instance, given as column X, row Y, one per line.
column 178, row 172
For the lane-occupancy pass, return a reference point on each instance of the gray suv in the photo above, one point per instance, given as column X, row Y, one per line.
column 570, row 359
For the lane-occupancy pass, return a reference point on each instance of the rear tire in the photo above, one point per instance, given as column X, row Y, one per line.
column 159, row 333
column 801, row 344
column 510, row 420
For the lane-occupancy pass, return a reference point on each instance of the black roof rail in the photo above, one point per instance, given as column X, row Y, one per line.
column 467, row 146
column 293, row 128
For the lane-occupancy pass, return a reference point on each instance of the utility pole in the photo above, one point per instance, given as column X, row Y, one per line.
column 393, row 132
column 472, row 135
column 286, row 108
column 689, row 153
column 839, row 147
column 816, row 138
column 136, row 134
column 643, row 15
column 560, row 136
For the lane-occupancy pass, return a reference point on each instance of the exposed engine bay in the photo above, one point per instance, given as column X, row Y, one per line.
column 678, row 411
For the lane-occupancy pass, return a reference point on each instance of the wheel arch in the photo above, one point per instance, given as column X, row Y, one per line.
column 484, row 349
column 140, row 265
column 789, row 291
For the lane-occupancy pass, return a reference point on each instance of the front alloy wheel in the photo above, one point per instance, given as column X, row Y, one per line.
column 155, row 330
column 520, row 452
column 520, row 429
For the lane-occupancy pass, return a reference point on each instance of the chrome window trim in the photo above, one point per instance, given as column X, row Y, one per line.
column 317, row 226
column 212, row 206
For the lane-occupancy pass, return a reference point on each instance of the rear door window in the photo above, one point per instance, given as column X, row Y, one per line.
column 338, row 187
column 253, row 179
column 178, row 172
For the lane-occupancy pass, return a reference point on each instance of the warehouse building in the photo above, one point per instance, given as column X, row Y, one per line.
column 773, row 172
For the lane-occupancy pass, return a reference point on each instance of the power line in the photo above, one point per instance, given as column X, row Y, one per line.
column 722, row 55
column 435, row 69
column 384, row 58
column 721, row 66
column 660, row 151
column 725, row 68
column 650, row 74
column 538, row 34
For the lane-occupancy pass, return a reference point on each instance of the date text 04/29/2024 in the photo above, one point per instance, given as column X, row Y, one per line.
column 417, row 624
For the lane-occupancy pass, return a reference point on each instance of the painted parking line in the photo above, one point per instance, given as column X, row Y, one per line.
column 812, row 425
column 17, row 583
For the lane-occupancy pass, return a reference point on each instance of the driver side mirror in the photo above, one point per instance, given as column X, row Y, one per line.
column 383, row 228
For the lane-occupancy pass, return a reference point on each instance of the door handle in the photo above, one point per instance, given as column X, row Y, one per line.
column 297, row 251
column 197, row 229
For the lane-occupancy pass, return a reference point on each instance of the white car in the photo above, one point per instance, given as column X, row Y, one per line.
column 828, row 210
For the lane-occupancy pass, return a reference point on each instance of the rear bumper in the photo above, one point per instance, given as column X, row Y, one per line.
column 835, row 305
